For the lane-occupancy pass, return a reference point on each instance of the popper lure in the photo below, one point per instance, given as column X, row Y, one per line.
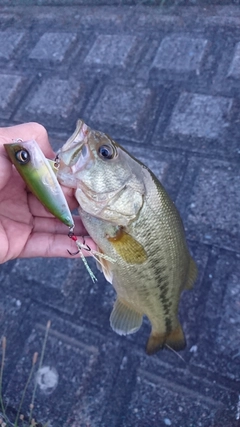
column 40, row 178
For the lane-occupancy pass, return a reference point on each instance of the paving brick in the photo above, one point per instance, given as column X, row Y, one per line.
column 226, row 83
column 111, row 50
column 53, row 376
column 11, row 89
column 218, row 349
column 210, row 203
column 12, row 312
column 157, row 17
column 6, row 19
column 160, row 400
column 53, row 47
column 90, row 407
column 234, row 69
column 223, row 21
column 53, row 102
column 200, row 124
column 180, row 53
column 5, row 270
column 168, row 168
column 203, row 116
column 9, row 43
column 58, row 283
column 96, row 17
column 129, row 106
column 87, row 356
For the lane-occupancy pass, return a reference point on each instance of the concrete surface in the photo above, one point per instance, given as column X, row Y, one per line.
column 164, row 82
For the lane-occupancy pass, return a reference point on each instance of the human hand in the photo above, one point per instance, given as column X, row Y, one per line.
column 27, row 229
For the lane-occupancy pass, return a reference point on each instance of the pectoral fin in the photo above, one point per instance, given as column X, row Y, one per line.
column 124, row 320
column 128, row 248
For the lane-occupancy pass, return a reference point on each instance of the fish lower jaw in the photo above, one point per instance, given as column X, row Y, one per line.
column 67, row 180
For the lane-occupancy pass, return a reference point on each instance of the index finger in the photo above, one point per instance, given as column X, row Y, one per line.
column 27, row 132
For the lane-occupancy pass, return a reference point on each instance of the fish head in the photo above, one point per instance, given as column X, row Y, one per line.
column 109, row 181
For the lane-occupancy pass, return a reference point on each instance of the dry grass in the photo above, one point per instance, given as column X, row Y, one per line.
column 22, row 420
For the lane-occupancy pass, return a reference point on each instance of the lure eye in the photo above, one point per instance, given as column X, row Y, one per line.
column 106, row 152
column 22, row 156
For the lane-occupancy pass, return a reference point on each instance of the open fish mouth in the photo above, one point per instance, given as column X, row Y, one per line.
column 75, row 151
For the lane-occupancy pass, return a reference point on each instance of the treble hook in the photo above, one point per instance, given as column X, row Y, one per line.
column 73, row 253
column 72, row 236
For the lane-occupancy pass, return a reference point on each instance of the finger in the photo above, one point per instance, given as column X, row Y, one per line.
column 27, row 132
column 53, row 245
column 54, row 226
column 38, row 210
column 6, row 168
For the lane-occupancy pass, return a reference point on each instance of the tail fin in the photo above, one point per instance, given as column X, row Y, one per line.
column 175, row 340
column 155, row 343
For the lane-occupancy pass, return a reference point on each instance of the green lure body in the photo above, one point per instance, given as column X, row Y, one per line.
column 40, row 178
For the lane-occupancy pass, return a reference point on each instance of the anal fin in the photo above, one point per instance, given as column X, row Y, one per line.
column 124, row 320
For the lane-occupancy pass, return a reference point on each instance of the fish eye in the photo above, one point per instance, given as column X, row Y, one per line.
column 106, row 152
column 22, row 156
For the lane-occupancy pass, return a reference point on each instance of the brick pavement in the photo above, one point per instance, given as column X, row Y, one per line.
column 166, row 84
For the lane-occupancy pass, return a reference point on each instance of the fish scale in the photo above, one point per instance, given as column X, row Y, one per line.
column 130, row 216
column 159, row 281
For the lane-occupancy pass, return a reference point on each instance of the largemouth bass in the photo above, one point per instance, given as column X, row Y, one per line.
column 129, row 215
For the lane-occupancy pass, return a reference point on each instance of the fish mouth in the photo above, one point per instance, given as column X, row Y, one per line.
column 75, row 158
column 80, row 135
column 74, row 150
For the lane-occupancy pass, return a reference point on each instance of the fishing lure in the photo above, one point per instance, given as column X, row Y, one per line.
column 39, row 176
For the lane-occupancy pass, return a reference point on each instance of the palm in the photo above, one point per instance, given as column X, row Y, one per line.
column 16, row 220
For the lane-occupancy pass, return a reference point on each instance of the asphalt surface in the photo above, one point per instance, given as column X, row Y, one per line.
column 165, row 83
